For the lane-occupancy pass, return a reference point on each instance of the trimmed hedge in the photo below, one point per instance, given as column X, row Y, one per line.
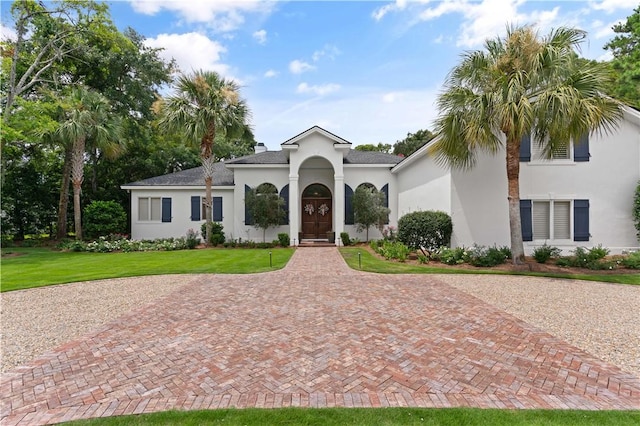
column 103, row 218
column 428, row 229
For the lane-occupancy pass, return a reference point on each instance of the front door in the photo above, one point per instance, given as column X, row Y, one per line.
column 316, row 212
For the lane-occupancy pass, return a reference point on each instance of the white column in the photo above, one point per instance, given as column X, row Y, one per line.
column 338, row 206
column 294, row 209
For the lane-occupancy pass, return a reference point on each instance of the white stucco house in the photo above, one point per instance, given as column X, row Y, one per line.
column 582, row 197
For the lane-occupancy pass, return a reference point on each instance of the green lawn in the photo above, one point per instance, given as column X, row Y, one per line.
column 375, row 416
column 36, row 267
column 370, row 263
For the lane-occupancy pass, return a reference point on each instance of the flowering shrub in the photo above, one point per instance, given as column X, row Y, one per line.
column 110, row 244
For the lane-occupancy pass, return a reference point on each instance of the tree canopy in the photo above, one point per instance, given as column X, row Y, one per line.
column 266, row 206
column 625, row 47
column 412, row 142
column 369, row 208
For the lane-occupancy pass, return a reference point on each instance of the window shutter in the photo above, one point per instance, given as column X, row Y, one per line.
column 195, row 208
column 525, row 220
column 248, row 219
column 581, row 220
column 581, row 149
column 166, row 209
column 217, row 209
column 385, row 191
column 284, row 194
column 540, row 219
column 348, row 205
column 561, row 228
column 525, row 148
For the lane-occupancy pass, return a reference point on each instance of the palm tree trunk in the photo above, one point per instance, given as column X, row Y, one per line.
column 77, row 175
column 63, row 203
column 513, row 184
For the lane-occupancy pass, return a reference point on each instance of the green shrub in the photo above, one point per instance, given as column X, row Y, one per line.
column 449, row 256
column 283, row 239
column 485, row 256
column 545, row 252
column 192, row 239
column 346, row 240
column 103, row 218
column 428, row 229
column 217, row 233
column 590, row 259
column 393, row 250
column 422, row 258
column 632, row 261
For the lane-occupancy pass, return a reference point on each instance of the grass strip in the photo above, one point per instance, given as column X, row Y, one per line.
column 37, row 267
column 363, row 259
column 374, row 416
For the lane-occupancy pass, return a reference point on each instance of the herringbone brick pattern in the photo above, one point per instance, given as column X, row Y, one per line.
column 315, row 334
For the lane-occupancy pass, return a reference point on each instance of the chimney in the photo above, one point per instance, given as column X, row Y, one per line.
column 260, row 148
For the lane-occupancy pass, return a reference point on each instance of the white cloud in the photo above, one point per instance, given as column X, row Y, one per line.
column 330, row 51
column 298, row 67
column 192, row 51
column 222, row 15
column 260, row 36
column 602, row 30
column 610, row 6
column 271, row 73
column 379, row 13
column 7, row 33
column 321, row 90
column 390, row 97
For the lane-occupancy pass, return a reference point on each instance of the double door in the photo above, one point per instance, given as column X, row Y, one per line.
column 316, row 218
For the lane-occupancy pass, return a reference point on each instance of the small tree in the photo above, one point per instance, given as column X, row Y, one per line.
column 369, row 208
column 427, row 230
column 266, row 207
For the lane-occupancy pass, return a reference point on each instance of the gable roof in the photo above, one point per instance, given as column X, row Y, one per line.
column 316, row 129
column 190, row 177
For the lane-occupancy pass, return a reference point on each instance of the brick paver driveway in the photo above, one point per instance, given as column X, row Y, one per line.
column 315, row 334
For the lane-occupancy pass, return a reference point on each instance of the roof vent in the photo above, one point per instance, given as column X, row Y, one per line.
column 260, row 148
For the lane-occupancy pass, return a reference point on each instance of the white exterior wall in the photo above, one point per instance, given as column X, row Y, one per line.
column 608, row 180
column 357, row 174
column 254, row 176
column 180, row 211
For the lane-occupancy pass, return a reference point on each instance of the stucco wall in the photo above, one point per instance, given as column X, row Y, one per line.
column 180, row 211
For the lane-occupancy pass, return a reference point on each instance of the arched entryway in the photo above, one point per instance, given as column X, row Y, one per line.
column 316, row 211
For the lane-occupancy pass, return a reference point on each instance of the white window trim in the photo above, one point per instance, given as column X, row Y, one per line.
column 537, row 160
column 149, row 210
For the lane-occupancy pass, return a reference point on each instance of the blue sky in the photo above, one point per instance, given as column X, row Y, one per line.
column 368, row 71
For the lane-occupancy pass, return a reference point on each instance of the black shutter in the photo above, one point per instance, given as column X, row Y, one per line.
column 385, row 191
column 284, row 194
column 581, row 220
column 348, row 205
column 248, row 219
column 166, row 209
column 195, row 208
column 217, row 209
column 525, row 148
column 581, row 149
column 525, row 220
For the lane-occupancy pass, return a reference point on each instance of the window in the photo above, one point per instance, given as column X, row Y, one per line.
column 154, row 209
column 529, row 150
column 551, row 220
column 199, row 209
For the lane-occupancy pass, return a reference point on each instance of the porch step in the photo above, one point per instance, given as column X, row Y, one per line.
column 315, row 243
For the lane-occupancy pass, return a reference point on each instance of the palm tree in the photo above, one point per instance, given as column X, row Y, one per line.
column 88, row 118
column 521, row 85
column 203, row 104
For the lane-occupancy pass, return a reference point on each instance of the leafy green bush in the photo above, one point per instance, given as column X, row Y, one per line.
column 485, row 256
column 632, row 261
column 543, row 253
column 393, row 250
column 423, row 258
column 192, row 239
column 590, row 259
column 283, row 239
column 346, row 240
column 451, row 256
column 428, row 229
column 217, row 233
column 103, row 218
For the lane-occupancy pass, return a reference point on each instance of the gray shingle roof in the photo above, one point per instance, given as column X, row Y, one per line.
column 370, row 157
column 190, row 177
column 267, row 157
